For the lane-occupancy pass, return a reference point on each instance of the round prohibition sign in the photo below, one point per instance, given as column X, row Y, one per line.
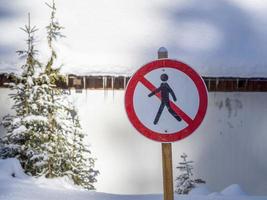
column 144, row 98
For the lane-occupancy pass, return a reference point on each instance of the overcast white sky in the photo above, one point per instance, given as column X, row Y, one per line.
column 224, row 37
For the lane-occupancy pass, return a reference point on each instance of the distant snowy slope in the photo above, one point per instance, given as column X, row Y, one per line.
column 14, row 185
column 217, row 38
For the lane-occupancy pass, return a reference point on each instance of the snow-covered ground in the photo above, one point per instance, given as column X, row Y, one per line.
column 229, row 147
column 15, row 185
column 218, row 38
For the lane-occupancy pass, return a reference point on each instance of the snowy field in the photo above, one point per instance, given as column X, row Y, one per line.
column 228, row 148
column 15, row 185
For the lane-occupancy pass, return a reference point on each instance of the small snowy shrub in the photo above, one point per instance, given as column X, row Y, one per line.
column 185, row 182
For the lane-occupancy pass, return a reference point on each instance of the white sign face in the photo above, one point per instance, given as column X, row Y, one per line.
column 166, row 100
column 187, row 99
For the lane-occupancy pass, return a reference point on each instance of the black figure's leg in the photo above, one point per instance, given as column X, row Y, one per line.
column 159, row 113
column 172, row 112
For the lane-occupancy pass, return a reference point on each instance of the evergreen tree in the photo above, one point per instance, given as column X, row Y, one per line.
column 23, row 128
column 76, row 161
column 45, row 133
column 185, row 182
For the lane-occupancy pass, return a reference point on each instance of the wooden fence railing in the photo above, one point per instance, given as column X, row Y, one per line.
column 214, row 84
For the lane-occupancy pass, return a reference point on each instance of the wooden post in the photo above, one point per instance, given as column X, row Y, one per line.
column 167, row 170
column 166, row 153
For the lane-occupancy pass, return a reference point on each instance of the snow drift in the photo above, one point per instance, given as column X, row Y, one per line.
column 11, row 168
column 15, row 185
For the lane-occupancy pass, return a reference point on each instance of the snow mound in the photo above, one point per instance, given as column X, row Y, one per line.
column 233, row 190
column 11, row 168
column 215, row 194
column 60, row 189
column 60, row 183
column 200, row 191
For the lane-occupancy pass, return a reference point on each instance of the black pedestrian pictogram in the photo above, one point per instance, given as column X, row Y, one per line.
column 165, row 90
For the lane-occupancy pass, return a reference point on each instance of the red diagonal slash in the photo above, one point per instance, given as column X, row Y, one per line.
column 176, row 109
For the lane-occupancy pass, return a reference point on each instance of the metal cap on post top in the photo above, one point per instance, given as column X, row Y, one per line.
column 162, row 53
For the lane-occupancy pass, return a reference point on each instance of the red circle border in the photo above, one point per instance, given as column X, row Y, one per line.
column 192, row 74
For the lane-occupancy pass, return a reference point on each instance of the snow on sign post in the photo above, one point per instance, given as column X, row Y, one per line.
column 166, row 101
